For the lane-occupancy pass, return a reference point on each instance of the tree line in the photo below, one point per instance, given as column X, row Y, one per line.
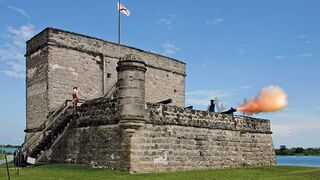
column 283, row 150
column 8, row 146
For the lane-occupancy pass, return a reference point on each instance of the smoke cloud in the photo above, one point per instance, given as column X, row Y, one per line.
column 270, row 99
column 221, row 106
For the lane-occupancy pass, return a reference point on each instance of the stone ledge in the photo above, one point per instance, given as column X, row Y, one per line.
column 98, row 39
column 46, row 40
column 172, row 115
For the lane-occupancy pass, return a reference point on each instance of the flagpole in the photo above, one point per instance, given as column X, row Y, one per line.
column 118, row 22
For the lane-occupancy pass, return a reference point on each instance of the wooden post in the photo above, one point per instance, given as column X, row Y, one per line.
column 5, row 155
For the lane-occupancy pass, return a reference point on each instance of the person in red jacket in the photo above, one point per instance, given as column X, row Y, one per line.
column 75, row 97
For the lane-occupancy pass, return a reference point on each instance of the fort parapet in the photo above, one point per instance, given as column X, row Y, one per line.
column 127, row 130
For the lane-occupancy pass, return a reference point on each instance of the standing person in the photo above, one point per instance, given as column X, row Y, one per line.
column 75, row 98
column 211, row 106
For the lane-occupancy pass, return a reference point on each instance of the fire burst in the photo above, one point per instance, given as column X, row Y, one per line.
column 270, row 99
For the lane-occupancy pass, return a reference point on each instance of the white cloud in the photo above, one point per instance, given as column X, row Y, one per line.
column 280, row 57
column 169, row 48
column 215, row 21
column 291, row 125
column 208, row 63
column 283, row 130
column 286, row 130
column 166, row 20
column 290, row 121
column 20, row 11
column 301, row 36
column 300, row 40
column 12, row 51
column 245, row 87
column 202, row 97
column 16, row 69
column 304, row 55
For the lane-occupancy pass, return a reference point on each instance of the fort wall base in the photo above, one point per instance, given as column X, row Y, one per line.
column 172, row 139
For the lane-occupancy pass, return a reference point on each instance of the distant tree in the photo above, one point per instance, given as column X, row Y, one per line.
column 283, row 148
column 299, row 150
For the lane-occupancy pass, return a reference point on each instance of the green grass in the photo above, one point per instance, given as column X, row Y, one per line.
column 58, row 171
column 1, row 156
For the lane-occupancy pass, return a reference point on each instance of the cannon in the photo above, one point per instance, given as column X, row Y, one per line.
column 167, row 101
column 230, row 111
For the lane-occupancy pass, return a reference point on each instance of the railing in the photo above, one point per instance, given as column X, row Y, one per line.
column 45, row 129
column 45, row 125
column 62, row 105
column 111, row 91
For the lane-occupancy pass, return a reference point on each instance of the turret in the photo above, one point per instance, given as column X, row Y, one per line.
column 130, row 92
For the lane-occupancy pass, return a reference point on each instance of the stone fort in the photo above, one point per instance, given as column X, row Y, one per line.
column 120, row 124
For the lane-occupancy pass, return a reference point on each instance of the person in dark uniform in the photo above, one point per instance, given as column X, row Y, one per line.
column 211, row 106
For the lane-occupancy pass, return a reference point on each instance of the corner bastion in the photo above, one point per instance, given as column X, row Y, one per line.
column 128, row 130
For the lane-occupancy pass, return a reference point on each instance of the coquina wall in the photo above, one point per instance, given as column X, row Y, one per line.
column 175, row 138
column 172, row 139
column 96, row 140
column 36, row 90
column 58, row 60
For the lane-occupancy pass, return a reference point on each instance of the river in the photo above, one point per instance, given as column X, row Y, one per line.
column 299, row 160
column 8, row 150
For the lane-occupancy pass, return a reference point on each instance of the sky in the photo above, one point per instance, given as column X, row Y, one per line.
column 232, row 50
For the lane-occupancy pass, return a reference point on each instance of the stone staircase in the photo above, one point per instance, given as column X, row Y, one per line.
column 52, row 130
column 34, row 148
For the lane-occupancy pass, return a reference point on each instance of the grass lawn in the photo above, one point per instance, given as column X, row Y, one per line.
column 58, row 171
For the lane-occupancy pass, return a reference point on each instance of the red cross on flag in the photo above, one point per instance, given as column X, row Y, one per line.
column 123, row 9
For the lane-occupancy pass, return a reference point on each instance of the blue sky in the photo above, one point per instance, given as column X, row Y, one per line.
column 232, row 50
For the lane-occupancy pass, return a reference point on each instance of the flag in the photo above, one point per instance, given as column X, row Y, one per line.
column 123, row 9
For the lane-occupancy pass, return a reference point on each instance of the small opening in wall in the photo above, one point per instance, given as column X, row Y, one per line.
column 131, row 78
column 174, row 90
column 108, row 75
column 167, row 75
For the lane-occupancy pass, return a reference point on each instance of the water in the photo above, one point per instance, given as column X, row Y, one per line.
column 8, row 150
column 299, row 160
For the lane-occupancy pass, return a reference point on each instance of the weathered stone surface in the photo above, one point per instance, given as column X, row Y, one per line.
column 58, row 60
column 202, row 140
column 37, row 88
column 96, row 146
column 170, row 148
column 174, row 115
column 182, row 139
column 97, row 112
column 124, row 132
